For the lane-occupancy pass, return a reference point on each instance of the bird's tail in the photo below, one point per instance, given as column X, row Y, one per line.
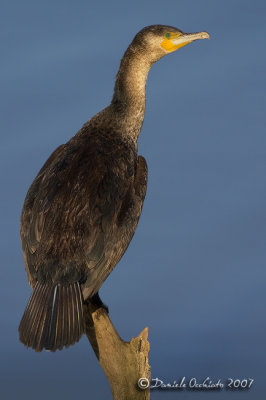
column 53, row 317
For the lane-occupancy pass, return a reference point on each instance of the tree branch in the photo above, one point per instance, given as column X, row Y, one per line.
column 123, row 363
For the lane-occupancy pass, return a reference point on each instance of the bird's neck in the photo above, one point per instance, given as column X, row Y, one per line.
column 128, row 103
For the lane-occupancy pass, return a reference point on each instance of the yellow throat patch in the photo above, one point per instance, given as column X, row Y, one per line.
column 168, row 45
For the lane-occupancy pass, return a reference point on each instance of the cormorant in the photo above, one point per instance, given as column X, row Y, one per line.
column 82, row 209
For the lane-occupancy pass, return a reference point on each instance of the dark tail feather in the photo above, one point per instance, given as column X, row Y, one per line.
column 53, row 317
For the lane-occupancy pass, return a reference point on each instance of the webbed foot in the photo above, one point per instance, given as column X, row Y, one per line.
column 97, row 302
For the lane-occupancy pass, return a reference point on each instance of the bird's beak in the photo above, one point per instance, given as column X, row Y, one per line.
column 186, row 38
column 180, row 39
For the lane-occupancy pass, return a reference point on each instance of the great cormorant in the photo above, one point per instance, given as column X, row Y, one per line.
column 82, row 209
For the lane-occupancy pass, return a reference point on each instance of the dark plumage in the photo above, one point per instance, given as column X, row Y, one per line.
column 83, row 207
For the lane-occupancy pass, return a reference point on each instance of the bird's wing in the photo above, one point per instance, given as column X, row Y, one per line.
column 125, row 224
column 71, row 207
column 26, row 215
column 130, row 211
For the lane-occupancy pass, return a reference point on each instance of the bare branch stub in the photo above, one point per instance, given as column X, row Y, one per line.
column 123, row 363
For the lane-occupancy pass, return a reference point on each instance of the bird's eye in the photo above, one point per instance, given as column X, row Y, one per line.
column 167, row 35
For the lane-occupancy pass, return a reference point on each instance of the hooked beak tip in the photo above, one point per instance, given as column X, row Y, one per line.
column 205, row 35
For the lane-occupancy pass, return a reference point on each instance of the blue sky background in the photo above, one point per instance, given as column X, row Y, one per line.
column 195, row 270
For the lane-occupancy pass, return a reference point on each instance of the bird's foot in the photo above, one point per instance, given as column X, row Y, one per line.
column 97, row 302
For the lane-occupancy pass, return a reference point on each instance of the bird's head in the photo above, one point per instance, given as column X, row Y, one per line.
column 158, row 40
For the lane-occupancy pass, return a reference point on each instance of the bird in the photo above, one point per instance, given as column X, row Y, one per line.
column 82, row 209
